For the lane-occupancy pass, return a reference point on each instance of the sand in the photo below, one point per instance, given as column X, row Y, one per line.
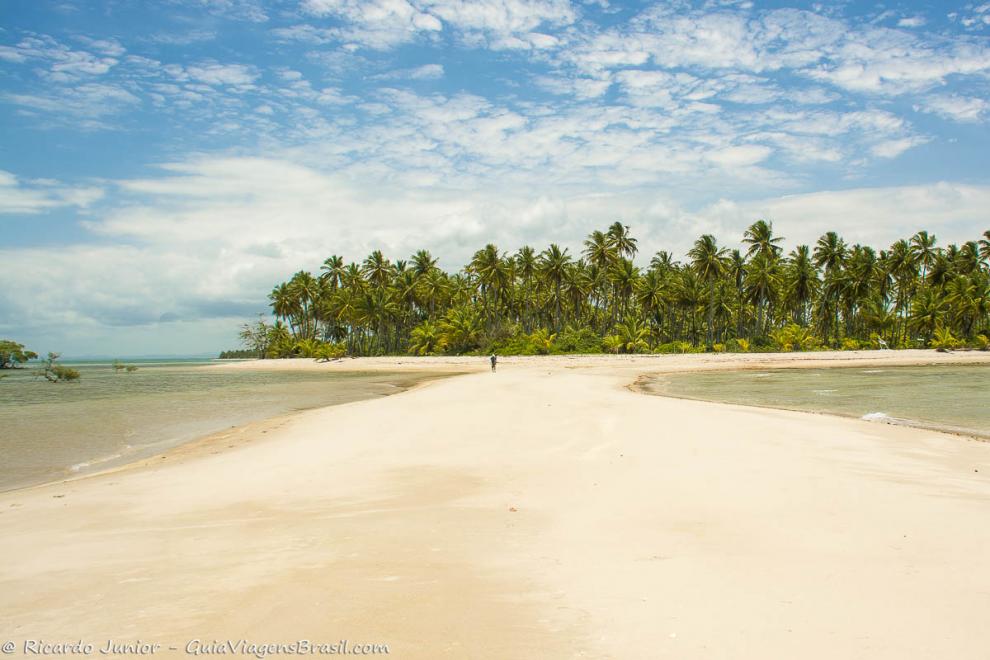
column 544, row 511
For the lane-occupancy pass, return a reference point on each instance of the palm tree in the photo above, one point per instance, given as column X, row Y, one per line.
column 423, row 263
column 923, row 251
column 284, row 303
column 601, row 253
column 553, row 267
column 426, row 339
column 830, row 252
column 489, row 267
column 969, row 301
column 623, row 277
column 461, row 329
column 651, row 295
column 377, row 269
column 709, row 262
column 927, row 312
column 633, row 336
column 759, row 236
column 526, row 269
column 985, row 247
column 620, row 239
column 332, row 271
column 801, row 282
column 761, row 285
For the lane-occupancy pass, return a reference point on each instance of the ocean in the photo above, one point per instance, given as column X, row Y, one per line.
column 951, row 398
column 50, row 431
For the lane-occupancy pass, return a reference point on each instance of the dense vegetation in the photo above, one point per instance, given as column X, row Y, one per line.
column 835, row 295
column 240, row 354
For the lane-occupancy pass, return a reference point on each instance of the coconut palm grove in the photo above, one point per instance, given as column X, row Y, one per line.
column 913, row 294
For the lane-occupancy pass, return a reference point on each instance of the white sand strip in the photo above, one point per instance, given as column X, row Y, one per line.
column 543, row 511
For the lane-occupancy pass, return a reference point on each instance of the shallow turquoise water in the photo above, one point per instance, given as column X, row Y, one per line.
column 951, row 397
column 50, row 431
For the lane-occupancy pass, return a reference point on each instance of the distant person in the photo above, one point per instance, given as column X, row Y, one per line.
column 494, row 361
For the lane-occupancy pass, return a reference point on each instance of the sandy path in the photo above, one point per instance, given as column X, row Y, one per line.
column 545, row 511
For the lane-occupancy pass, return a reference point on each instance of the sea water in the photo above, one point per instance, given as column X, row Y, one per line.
column 952, row 398
column 51, row 431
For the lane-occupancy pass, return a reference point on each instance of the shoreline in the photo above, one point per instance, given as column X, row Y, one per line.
column 186, row 449
column 547, row 509
column 638, row 386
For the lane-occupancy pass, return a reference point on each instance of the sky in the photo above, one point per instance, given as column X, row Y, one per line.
column 164, row 164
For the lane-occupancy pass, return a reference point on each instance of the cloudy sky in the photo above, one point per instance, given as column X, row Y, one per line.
column 163, row 164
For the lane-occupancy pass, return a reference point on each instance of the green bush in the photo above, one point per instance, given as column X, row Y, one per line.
column 329, row 351
column 793, row 337
column 945, row 340
column 54, row 372
column 542, row 341
column 578, row 340
column 678, row 347
column 737, row 345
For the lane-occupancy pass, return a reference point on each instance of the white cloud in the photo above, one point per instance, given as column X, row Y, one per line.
column 504, row 24
column 243, row 10
column 90, row 102
column 11, row 54
column 894, row 62
column 111, row 47
column 385, row 24
column 972, row 17
column 216, row 73
column 183, row 38
column 65, row 65
column 424, row 72
column 375, row 24
column 957, row 108
column 855, row 58
column 19, row 197
column 894, row 148
column 750, row 154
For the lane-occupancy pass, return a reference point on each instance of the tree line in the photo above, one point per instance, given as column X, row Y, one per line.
column 827, row 295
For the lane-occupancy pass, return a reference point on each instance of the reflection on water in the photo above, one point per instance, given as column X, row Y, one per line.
column 49, row 431
column 950, row 397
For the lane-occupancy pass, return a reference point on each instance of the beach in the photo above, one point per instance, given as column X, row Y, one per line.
column 547, row 510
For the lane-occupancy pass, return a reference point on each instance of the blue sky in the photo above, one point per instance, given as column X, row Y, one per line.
column 163, row 164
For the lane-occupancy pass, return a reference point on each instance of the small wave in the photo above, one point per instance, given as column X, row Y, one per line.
column 879, row 417
column 824, row 391
column 873, row 371
column 78, row 467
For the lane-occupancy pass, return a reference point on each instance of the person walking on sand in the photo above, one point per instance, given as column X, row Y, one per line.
column 494, row 360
